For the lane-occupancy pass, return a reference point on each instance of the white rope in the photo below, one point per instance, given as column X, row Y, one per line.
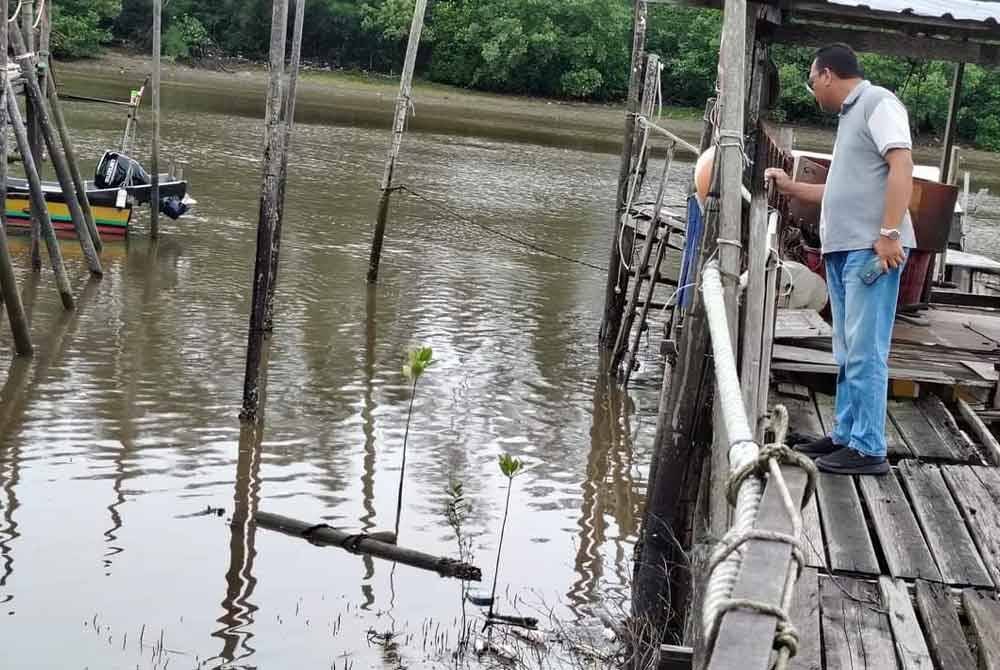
column 747, row 464
column 17, row 13
column 41, row 13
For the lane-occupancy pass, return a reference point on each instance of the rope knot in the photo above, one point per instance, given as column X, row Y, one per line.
column 786, row 638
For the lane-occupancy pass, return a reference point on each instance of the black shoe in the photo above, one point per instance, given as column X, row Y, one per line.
column 850, row 462
column 824, row 446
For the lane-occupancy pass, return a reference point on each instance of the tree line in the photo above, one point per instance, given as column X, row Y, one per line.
column 575, row 49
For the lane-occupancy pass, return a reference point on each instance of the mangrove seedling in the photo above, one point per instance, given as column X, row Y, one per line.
column 418, row 361
column 510, row 467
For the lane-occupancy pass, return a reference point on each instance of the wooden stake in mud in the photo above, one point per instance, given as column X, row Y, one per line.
column 8, row 282
column 34, row 136
column 74, row 165
column 34, row 90
column 403, row 104
column 154, row 176
column 269, row 211
column 368, row 544
column 614, row 295
column 288, row 119
column 37, row 196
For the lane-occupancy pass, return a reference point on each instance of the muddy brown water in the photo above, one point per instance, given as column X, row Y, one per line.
column 123, row 429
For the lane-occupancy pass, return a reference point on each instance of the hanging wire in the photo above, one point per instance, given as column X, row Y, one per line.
column 41, row 13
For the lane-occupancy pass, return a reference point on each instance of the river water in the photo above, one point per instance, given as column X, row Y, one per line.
column 122, row 431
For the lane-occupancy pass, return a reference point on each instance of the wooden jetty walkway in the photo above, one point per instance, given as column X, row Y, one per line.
column 900, row 571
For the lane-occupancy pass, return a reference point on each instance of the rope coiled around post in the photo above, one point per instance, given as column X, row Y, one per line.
column 768, row 462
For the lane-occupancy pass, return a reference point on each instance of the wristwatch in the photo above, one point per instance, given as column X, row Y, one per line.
column 891, row 233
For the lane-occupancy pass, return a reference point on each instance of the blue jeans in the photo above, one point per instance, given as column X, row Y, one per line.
column 863, row 315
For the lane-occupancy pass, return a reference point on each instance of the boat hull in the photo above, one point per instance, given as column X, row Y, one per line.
column 112, row 222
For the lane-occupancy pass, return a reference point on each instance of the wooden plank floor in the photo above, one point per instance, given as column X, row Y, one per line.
column 904, row 569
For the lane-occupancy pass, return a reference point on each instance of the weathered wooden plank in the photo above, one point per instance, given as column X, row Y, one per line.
column 802, row 415
column 990, row 443
column 805, row 618
column 944, row 423
column 945, row 638
column 896, row 446
column 745, row 638
column 984, row 616
column 910, row 643
column 947, row 536
column 918, row 432
column 947, row 375
column 979, row 509
column 848, row 542
column 899, row 534
column 812, row 536
column 856, row 634
column 797, row 324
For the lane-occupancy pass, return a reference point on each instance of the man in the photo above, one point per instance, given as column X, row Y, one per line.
column 865, row 230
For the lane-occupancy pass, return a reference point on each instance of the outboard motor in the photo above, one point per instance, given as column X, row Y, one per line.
column 173, row 207
column 119, row 171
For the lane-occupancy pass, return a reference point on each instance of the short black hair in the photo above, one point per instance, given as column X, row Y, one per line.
column 840, row 59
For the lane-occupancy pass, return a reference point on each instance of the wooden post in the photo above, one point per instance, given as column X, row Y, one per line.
column 614, row 292
column 398, row 128
column 37, row 196
column 8, row 283
column 154, row 176
column 288, row 119
column 753, row 311
column 947, row 164
column 74, row 166
column 58, row 159
column 27, row 26
column 268, row 216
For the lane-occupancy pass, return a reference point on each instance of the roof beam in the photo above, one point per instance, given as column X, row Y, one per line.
column 884, row 42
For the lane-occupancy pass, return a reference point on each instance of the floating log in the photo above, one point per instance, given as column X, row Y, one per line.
column 322, row 534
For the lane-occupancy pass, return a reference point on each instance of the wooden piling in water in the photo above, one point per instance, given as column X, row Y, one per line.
column 37, row 197
column 403, row 104
column 154, row 176
column 614, row 294
column 11, row 297
column 58, row 159
column 269, row 213
column 34, row 135
column 322, row 534
column 74, row 166
column 288, row 121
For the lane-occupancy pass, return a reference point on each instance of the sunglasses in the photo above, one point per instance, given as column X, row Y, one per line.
column 811, row 82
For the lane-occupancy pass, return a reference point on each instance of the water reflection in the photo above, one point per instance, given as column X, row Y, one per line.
column 368, row 428
column 238, row 617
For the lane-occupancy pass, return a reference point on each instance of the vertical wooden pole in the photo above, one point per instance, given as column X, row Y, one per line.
column 37, row 197
column 8, row 282
column 288, row 121
column 954, row 103
column 614, row 293
column 58, row 159
column 273, row 151
column 154, row 200
column 398, row 128
column 27, row 23
column 74, row 166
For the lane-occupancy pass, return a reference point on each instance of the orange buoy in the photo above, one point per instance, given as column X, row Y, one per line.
column 703, row 173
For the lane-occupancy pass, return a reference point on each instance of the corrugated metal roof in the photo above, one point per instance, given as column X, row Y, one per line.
column 957, row 10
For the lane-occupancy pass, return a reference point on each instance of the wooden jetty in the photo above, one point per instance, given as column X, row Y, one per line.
column 898, row 571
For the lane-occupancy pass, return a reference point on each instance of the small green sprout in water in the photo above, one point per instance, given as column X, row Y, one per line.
column 418, row 361
column 510, row 467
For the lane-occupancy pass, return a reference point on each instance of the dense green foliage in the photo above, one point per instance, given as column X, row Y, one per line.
column 564, row 48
